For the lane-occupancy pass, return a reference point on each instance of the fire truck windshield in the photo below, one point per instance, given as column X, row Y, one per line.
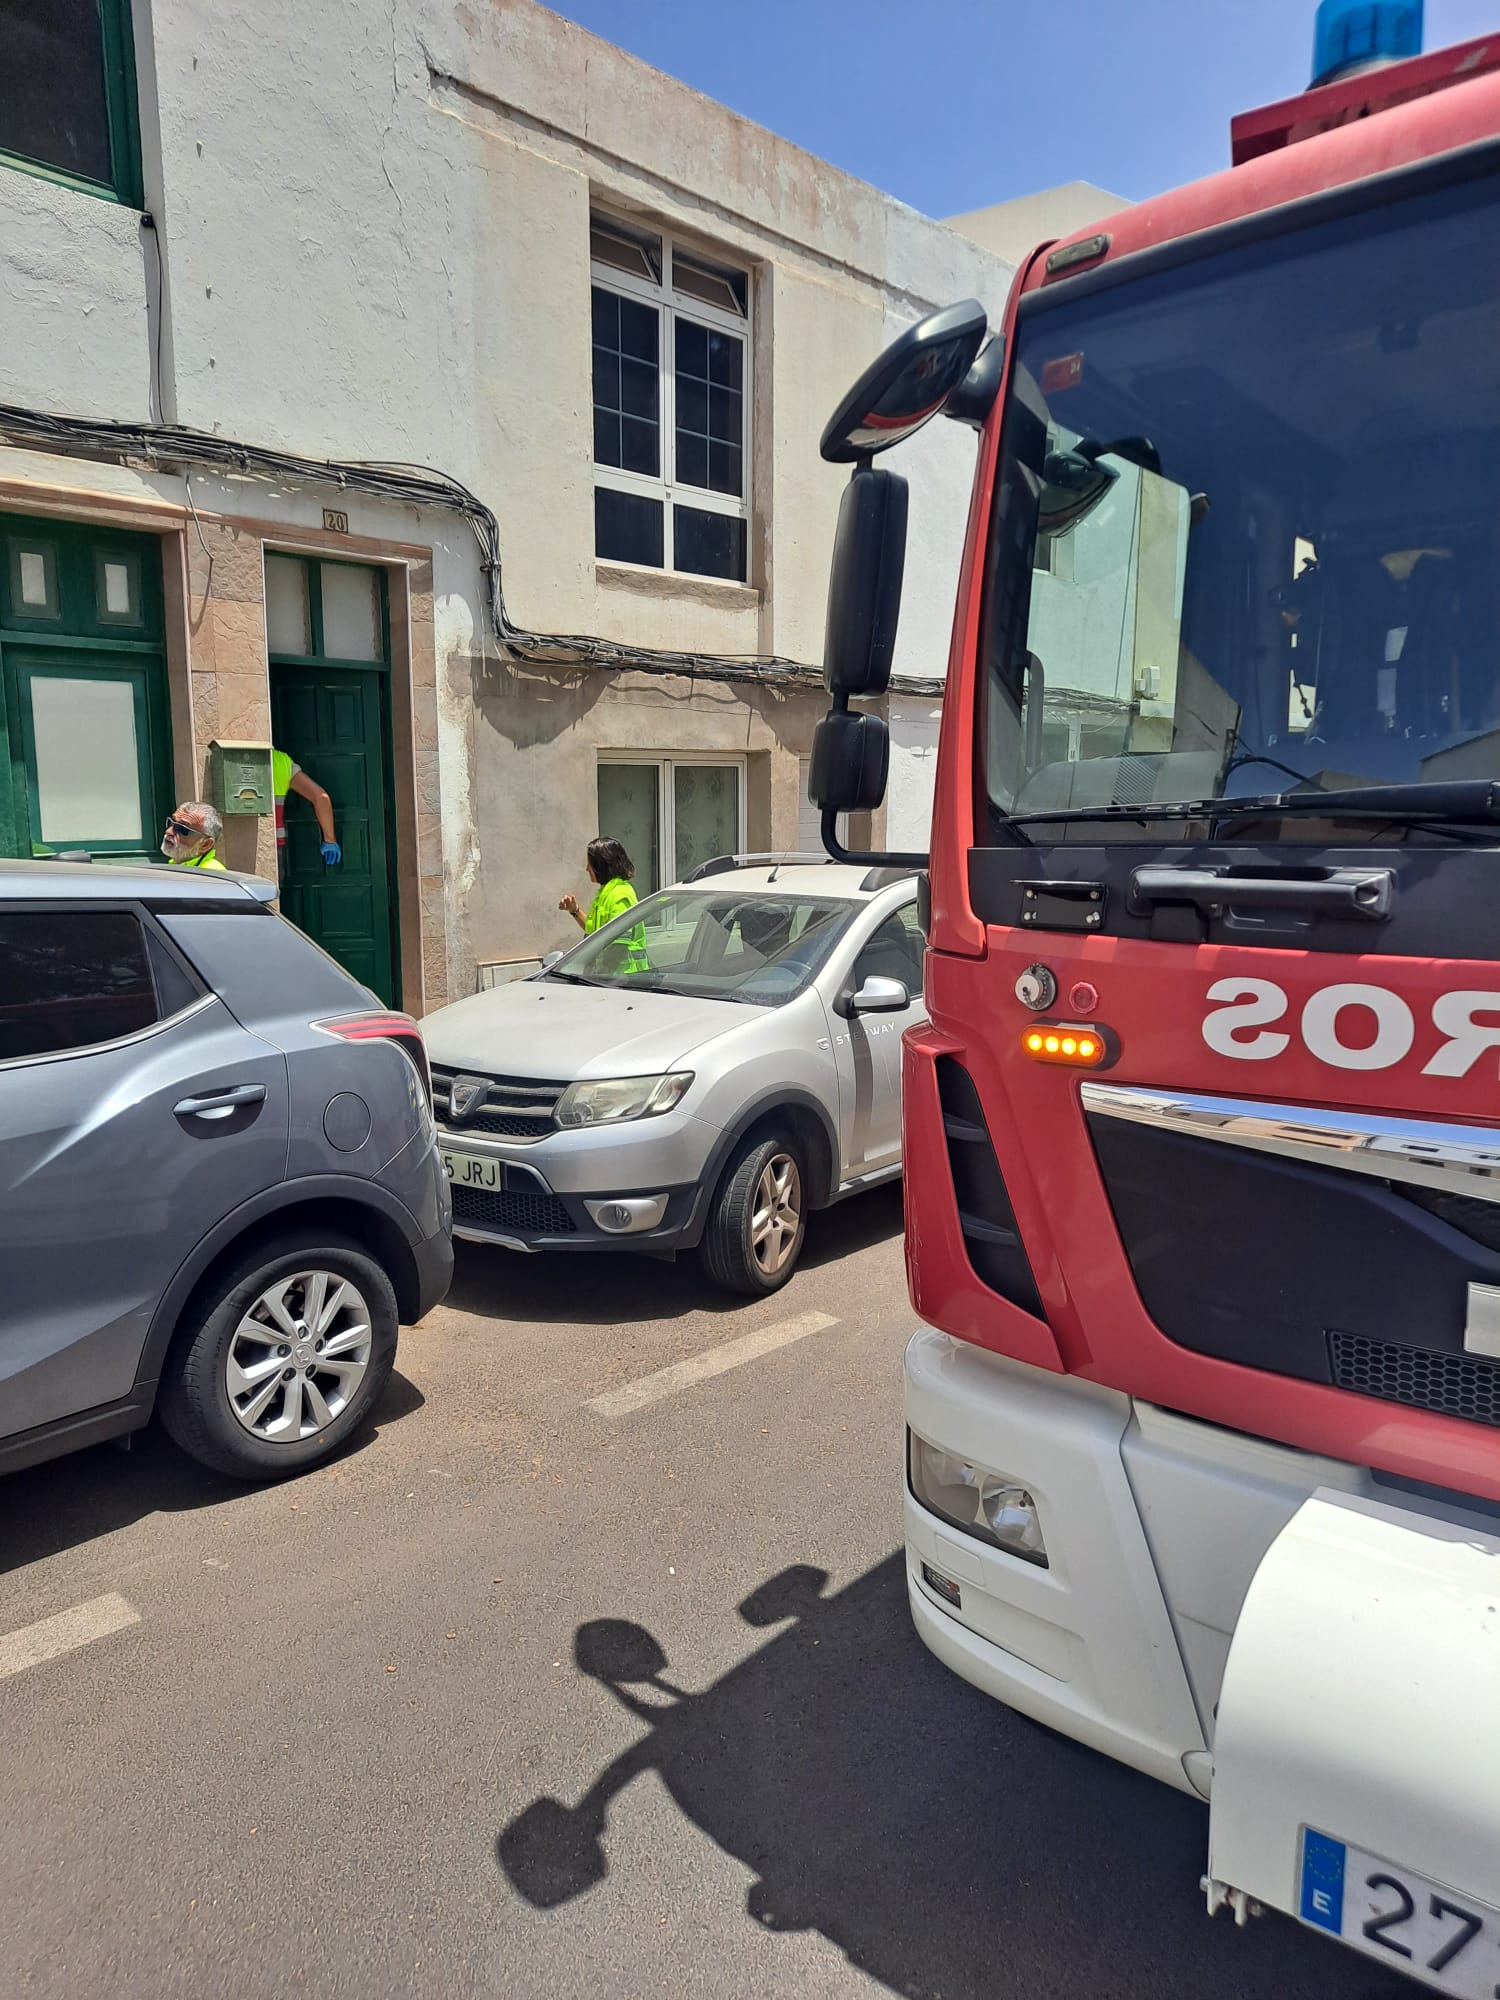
column 1247, row 532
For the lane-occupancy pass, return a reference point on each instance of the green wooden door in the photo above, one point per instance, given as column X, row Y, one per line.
column 85, row 725
column 332, row 721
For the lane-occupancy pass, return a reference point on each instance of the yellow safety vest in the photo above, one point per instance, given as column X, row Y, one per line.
column 615, row 897
column 209, row 860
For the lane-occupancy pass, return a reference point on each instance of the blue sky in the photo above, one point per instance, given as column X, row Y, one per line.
column 951, row 106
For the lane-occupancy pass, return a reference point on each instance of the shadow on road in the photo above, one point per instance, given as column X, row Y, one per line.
column 73, row 1500
column 941, row 1842
column 613, row 1288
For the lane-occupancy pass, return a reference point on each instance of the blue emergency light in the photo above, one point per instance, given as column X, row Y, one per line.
column 1352, row 34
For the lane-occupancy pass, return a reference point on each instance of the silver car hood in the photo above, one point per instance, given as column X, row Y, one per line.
column 546, row 1029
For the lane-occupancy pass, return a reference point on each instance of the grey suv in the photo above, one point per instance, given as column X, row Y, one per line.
column 701, row 1073
column 220, row 1190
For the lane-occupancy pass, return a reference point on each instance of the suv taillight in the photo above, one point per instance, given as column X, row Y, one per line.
column 381, row 1026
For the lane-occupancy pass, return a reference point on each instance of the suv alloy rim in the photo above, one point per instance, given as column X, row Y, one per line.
column 777, row 1215
column 298, row 1356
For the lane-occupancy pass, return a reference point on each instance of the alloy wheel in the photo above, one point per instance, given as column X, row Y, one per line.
column 776, row 1220
column 298, row 1356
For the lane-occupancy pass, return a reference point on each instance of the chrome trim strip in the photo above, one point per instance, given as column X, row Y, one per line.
column 72, row 1054
column 1457, row 1159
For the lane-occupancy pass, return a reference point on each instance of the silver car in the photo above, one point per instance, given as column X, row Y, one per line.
column 747, row 1074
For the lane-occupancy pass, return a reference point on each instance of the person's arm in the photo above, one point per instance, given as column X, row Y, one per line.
column 570, row 904
column 308, row 788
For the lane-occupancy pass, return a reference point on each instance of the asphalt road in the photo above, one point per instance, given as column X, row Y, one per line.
column 528, row 1697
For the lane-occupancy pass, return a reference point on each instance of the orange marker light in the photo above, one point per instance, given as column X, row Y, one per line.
column 1068, row 1044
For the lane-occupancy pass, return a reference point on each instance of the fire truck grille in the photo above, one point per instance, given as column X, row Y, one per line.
column 530, row 1212
column 1455, row 1385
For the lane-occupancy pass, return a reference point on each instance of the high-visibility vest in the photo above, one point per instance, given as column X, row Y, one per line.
column 615, row 897
column 209, row 860
column 283, row 770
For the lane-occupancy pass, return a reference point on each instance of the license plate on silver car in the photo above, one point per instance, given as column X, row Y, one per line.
column 473, row 1170
column 1440, row 1936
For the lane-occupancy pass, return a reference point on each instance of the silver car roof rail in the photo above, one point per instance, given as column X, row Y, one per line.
column 722, row 864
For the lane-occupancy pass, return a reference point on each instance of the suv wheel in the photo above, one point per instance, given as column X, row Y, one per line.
column 759, row 1220
column 287, row 1355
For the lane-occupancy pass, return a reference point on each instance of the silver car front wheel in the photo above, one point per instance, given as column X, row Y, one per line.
column 776, row 1222
column 758, row 1222
column 298, row 1356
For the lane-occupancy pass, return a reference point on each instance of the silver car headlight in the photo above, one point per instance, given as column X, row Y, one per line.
column 610, row 1100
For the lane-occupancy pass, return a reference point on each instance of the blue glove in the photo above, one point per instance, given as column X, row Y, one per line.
column 332, row 853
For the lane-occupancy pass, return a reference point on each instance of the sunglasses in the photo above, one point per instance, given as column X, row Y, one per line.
column 183, row 831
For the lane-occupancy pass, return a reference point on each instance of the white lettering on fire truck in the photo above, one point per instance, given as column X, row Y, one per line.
column 1242, row 1025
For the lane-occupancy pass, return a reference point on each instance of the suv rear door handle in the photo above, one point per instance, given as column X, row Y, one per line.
column 223, row 1103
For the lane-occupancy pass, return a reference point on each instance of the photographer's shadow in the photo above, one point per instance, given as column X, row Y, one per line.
column 945, row 1845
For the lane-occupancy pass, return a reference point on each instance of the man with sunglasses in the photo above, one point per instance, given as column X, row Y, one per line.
column 192, row 835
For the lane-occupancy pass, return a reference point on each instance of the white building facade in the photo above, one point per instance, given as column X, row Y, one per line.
column 433, row 391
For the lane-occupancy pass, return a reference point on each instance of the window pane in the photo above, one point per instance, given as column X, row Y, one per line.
column 708, row 544
column 52, row 103
column 630, row 811
column 705, row 814
column 724, row 468
column 33, row 579
column 351, row 612
column 288, row 625
column 606, row 378
column 639, row 326
column 117, row 588
column 626, row 385
column 638, row 388
column 638, row 446
column 692, row 459
column 710, row 410
column 894, row 952
column 607, row 444
column 635, row 250
column 627, row 528
column 87, row 775
column 726, row 357
column 726, row 289
column 72, row 979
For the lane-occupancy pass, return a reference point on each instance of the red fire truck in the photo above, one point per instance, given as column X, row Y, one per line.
column 1202, row 1158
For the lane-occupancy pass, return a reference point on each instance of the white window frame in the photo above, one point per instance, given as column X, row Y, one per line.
column 669, row 308
column 666, row 764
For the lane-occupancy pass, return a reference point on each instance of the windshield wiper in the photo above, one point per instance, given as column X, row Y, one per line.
column 1458, row 799
column 573, row 978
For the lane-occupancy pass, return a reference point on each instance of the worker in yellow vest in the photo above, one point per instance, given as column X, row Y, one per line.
column 191, row 837
column 287, row 776
column 610, row 869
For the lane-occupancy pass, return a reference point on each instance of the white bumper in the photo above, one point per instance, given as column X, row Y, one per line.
column 1155, row 1526
column 1085, row 1645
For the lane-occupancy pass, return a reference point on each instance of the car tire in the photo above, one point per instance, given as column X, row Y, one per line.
column 282, row 1357
column 744, row 1250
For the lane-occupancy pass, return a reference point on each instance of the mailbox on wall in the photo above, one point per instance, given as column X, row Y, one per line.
column 239, row 778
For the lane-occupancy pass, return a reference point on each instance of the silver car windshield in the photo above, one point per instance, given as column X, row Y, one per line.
column 759, row 949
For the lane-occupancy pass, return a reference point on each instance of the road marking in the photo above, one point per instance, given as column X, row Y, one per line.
column 49, row 1638
column 684, row 1374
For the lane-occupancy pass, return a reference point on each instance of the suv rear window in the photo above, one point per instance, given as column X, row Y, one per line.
column 72, row 979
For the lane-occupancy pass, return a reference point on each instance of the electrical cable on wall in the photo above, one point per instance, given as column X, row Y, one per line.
column 163, row 446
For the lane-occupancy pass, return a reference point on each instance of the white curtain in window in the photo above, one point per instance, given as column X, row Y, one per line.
column 706, row 813
column 629, row 810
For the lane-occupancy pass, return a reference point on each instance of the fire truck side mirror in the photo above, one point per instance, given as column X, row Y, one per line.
column 864, row 584
column 851, row 755
column 906, row 384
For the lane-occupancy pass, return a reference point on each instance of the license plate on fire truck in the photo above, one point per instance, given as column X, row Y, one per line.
column 1440, row 1936
column 473, row 1170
